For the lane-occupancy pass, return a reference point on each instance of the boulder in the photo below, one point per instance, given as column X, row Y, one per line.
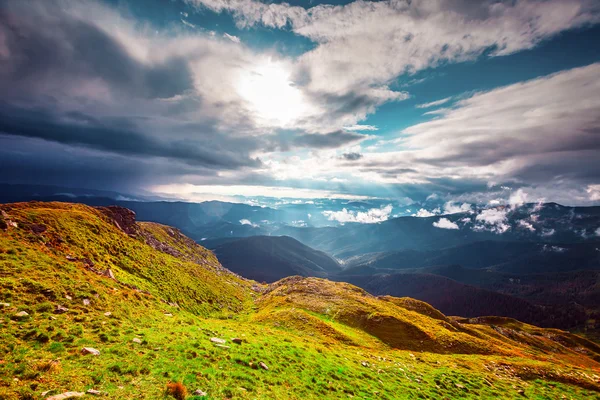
column 90, row 350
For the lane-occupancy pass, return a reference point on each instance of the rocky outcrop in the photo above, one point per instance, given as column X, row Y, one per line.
column 122, row 217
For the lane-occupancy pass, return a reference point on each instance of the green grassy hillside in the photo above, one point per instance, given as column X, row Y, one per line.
column 150, row 300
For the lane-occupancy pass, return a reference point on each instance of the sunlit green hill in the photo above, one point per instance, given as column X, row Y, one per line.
column 162, row 311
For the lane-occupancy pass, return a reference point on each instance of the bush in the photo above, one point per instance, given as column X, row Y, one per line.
column 176, row 390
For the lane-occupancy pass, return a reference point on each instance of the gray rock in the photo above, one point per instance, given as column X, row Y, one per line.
column 137, row 340
column 4, row 304
column 218, row 340
column 94, row 392
column 222, row 346
column 86, row 302
column 263, row 366
column 22, row 315
column 60, row 309
column 200, row 393
column 90, row 350
column 168, row 314
column 107, row 314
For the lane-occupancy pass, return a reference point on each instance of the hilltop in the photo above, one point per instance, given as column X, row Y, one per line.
column 161, row 309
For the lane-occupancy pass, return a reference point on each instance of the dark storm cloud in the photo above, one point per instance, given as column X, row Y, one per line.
column 44, row 42
column 352, row 156
column 118, row 136
column 330, row 140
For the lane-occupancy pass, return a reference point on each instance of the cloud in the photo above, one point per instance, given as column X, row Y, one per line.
column 518, row 198
column 597, row 232
column 352, row 156
column 445, row 223
column 526, row 225
column 361, row 128
column 423, row 213
column 330, row 140
column 434, row 103
column 454, row 208
column 371, row 216
column 493, row 219
column 248, row 222
column 233, row 38
column 527, row 134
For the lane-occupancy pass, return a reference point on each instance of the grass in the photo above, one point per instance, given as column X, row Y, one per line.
column 319, row 339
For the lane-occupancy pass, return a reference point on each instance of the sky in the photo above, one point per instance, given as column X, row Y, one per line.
column 403, row 101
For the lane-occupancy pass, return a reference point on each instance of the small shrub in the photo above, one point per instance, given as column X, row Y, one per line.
column 44, row 307
column 176, row 390
column 56, row 347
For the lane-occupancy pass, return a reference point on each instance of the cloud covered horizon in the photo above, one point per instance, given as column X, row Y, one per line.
column 95, row 96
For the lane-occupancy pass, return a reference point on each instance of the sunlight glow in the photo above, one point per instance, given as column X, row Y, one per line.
column 271, row 94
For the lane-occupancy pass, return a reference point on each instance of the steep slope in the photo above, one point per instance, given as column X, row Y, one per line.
column 153, row 303
column 270, row 258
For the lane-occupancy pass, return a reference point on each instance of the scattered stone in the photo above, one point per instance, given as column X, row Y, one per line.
column 21, row 315
column 94, row 392
column 217, row 340
column 66, row 395
column 237, row 340
column 86, row 302
column 263, row 366
column 200, row 393
column 364, row 363
column 521, row 392
column 71, row 258
column 52, row 318
column 168, row 314
column 109, row 274
column 47, row 392
column 60, row 309
column 4, row 304
column 222, row 346
column 68, row 297
column 458, row 385
column 107, row 314
column 12, row 223
column 137, row 340
column 90, row 350
column 253, row 365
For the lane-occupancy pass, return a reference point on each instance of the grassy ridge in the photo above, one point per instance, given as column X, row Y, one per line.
column 319, row 339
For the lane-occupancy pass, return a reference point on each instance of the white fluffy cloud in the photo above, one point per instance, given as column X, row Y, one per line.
column 445, row 223
column 248, row 222
column 493, row 219
column 423, row 213
column 455, row 208
column 370, row 216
